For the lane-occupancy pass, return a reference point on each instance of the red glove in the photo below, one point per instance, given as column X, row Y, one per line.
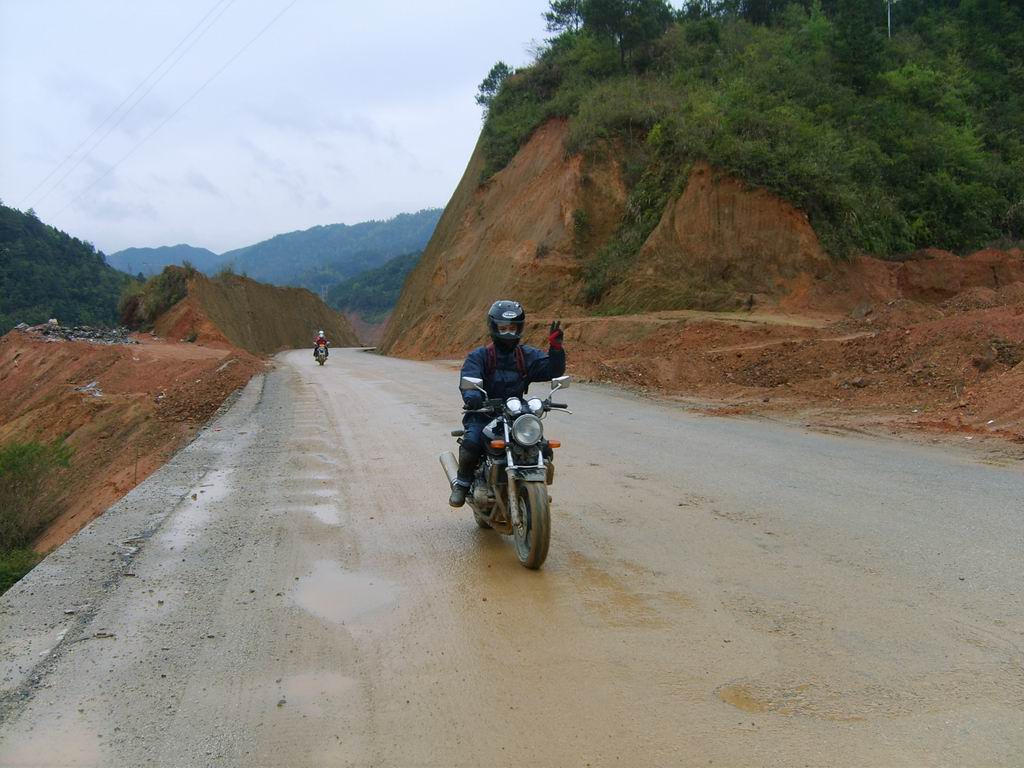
column 555, row 335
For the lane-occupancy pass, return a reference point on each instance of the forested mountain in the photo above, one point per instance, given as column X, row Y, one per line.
column 46, row 273
column 887, row 144
column 150, row 261
column 325, row 255
column 373, row 293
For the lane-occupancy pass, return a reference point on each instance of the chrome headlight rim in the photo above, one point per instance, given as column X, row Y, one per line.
column 527, row 430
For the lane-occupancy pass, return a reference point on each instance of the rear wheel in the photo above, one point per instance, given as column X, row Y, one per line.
column 533, row 537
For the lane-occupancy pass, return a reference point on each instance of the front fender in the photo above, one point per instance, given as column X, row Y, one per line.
column 531, row 474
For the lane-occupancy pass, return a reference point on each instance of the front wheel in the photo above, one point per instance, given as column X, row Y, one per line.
column 533, row 537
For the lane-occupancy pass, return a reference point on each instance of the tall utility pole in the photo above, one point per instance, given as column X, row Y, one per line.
column 888, row 6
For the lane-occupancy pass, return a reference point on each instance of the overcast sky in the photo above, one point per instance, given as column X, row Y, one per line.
column 339, row 112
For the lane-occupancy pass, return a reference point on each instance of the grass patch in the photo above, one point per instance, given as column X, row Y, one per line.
column 27, row 503
column 28, row 471
column 14, row 564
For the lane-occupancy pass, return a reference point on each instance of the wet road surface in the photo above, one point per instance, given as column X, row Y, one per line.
column 292, row 589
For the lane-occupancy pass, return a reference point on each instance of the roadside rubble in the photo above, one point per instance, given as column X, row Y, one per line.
column 53, row 331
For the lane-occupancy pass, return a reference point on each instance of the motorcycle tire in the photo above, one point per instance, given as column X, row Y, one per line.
column 319, row 360
column 532, row 546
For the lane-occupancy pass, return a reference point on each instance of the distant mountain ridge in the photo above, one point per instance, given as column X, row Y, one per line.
column 326, row 255
column 310, row 258
column 150, row 261
column 373, row 293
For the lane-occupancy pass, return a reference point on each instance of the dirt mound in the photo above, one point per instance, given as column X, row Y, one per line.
column 259, row 318
column 957, row 365
column 124, row 409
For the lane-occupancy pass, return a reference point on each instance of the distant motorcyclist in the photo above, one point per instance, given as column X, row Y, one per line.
column 321, row 341
column 507, row 369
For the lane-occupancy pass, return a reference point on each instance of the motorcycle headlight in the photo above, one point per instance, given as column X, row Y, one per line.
column 536, row 406
column 527, row 430
column 514, row 405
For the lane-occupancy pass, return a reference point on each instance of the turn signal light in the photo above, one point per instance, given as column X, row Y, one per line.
column 554, row 443
column 497, row 443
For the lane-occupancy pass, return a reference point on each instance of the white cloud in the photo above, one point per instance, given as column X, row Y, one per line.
column 337, row 113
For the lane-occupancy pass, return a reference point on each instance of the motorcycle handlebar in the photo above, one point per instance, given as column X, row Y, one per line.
column 489, row 406
column 558, row 405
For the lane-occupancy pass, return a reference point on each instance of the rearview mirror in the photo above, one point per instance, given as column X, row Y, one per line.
column 561, row 382
column 469, row 382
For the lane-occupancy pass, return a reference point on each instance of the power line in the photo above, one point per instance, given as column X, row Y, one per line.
column 121, row 119
column 125, row 101
column 180, row 107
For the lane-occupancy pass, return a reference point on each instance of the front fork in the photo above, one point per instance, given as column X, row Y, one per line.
column 514, row 512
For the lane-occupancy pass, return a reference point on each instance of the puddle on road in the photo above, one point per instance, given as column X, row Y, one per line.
column 813, row 700
column 744, row 699
column 316, row 694
column 193, row 514
column 315, row 480
column 619, row 599
column 337, row 596
column 318, row 493
column 324, row 458
column 53, row 742
column 328, row 515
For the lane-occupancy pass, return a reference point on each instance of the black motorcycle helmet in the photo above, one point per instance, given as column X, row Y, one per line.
column 504, row 313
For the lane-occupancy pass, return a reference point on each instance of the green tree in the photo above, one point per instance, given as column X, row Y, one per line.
column 858, row 44
column 492, row 84
column 630, row 23
column 564, row 15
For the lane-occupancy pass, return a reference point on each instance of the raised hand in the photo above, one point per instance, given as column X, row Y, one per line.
column 555, row 334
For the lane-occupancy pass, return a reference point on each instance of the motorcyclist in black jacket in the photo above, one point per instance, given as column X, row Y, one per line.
column 507, row 369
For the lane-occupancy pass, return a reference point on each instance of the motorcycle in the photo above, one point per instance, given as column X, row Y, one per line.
column 321, row 354
column 509, row 489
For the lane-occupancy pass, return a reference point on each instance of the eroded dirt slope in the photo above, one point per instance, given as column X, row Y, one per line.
column 513, row 236
column 124, row 409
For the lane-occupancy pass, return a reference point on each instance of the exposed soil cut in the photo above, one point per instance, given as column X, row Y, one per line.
column 124, row 409
column 932, row 342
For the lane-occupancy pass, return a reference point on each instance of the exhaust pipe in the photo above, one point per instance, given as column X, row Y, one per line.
column 451, row 466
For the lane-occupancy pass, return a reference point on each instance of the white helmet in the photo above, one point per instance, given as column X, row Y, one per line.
column 321, row 333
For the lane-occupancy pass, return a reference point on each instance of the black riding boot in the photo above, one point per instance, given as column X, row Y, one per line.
column 468, row 459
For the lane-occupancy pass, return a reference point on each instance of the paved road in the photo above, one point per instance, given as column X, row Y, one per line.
column 293, row 590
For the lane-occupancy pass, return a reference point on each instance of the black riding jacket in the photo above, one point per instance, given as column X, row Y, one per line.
column 506, row 380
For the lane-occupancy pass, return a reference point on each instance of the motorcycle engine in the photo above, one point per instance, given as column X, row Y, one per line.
column 482, row 499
